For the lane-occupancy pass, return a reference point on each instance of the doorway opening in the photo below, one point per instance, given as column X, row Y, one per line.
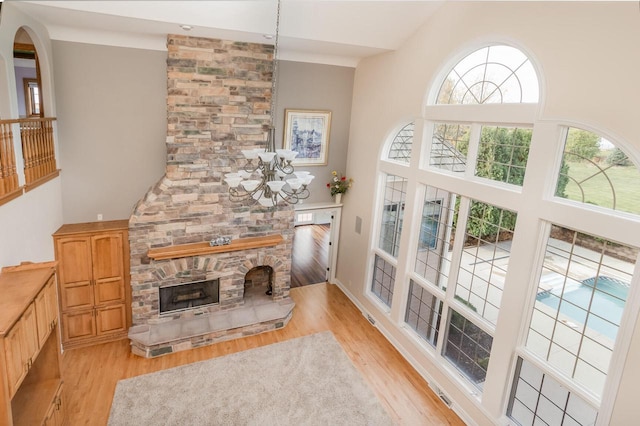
column 314, row 246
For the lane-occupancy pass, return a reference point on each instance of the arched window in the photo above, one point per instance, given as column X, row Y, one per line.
column 400, row 149
column 488, row 246
column 597, row 172
column 493, row 74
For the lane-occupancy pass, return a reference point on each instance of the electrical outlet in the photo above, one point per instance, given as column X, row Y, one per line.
column 99, row 216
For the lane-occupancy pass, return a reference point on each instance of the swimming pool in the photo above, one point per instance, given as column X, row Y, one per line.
column 606, row 308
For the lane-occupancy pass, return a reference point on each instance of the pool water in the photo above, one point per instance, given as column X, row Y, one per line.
column 606, row 309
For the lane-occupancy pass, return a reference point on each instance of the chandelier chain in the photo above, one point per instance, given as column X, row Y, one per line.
column 274, row 79
column 267, row 177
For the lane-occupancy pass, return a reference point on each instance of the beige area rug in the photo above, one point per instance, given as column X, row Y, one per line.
column 304, row 381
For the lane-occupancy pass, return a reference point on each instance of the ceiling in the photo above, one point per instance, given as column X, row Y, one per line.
column 322, row 31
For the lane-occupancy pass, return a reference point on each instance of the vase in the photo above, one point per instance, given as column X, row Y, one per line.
column 337, row 198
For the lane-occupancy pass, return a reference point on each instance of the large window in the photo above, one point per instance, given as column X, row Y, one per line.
column 582, row 293
column 424, row 311
column 384, row 279
column 433, row 254
column 392, row 214
column 467, row 347
column 537, row 398
column 485, row 258
column 486, row 252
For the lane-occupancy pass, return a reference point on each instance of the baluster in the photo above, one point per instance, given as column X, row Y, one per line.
column 13, row 172
column 3, row 161
column 35, row 141
column 48, row 134
column 37, row 126
column 38, row 150
column 24, row 138
column 8, row 174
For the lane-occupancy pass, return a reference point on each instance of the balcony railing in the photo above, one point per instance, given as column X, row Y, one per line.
column 38, row 153
column 8, row 172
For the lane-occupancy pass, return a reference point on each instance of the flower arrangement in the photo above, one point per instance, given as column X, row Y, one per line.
column 339, row 185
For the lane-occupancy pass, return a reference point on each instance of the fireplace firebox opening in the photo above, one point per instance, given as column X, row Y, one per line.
column 260, row 276
column 183, row 296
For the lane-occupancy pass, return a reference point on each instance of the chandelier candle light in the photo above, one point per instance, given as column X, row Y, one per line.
column 268, row 176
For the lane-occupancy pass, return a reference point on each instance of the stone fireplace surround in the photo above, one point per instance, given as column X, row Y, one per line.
column 218, row 97
column 243, row 309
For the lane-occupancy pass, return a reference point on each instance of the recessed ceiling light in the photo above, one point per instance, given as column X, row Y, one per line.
column 186, row 27
column 268, row 36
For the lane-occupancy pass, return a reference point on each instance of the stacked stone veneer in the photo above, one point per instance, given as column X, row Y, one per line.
column 218, row 101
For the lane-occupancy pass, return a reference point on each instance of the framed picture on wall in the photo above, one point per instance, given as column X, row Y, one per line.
column 307, row 132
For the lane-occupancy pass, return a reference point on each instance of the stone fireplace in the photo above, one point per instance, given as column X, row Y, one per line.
column 218, row 102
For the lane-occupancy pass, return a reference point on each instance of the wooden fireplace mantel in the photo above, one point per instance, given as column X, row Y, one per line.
column 199, row 249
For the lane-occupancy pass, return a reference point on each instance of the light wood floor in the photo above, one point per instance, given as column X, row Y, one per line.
column 310, row 255
column 90, row 374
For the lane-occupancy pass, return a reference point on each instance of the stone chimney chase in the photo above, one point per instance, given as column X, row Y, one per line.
column 218, row 104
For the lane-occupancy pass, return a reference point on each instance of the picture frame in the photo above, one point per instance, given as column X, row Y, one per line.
column 307, row 132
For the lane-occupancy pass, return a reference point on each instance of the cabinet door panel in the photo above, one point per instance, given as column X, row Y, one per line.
column 78, row 325
column 51, row 298
column 111, row 319
column 77, row 296
column 50, row 418
column 109, row 290
column 15, row 367
column 74, row 255
column 42, row 316
column 30, row 332
column 107, row 256
column 60, row 408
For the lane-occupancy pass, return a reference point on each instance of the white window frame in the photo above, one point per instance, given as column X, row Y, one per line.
column 537, row 207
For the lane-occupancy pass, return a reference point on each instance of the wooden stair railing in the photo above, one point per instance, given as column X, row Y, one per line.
column 8, row 172
column 37, row 149
column 38, row 152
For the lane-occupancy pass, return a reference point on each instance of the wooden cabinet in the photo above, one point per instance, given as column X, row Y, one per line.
column 30, row 380
column 46, row 305
column 56, row 413
column 93, row 281
column 22, row 348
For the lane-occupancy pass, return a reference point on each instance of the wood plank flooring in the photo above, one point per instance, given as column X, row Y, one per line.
column 90, row 374
column 309, row 258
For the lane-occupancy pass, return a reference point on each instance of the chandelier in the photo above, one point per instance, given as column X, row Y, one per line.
column 268, row 176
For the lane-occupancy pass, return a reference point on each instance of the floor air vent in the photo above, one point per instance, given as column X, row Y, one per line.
column 370, row 319
column 441, row 394
column 445, row 399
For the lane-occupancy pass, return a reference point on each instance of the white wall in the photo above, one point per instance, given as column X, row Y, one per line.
column 319, row 87
column 112, row 123
column 112, row 127
column 26, row 223
column 588, row 57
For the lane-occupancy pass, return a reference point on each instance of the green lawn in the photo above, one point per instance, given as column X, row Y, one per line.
column 625, row 181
